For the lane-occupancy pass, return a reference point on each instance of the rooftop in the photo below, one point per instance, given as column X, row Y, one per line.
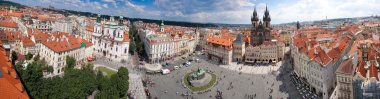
column 10, row 84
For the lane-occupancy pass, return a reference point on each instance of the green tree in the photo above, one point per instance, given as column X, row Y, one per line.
column 132, row 46
column 28, row 56
column 121, row 81
column 37, row 57
column 70, row 62
column 32, row 77
column 14, row 57
column 50, row 69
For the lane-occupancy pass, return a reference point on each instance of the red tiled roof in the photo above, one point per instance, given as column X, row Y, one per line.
column 12, row 36
column 321, row 56
column 346, row 67
column 10, row 84
column 8, row 24
column 63, row 42
column 335, row 54
column 15, row 14
column 26, row 41
column 40, row 36
column 361, row 68
column 220, row 41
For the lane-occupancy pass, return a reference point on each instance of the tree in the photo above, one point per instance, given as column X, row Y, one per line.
column 32, row 76
column 14, row 57
column 70, row 62
column 132, row 46
column 122, row 81
column 37, row 57
column 50, row 69
column 28, row 56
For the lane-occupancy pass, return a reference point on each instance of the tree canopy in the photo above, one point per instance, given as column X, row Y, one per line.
column 74, row 84
column 70, row 62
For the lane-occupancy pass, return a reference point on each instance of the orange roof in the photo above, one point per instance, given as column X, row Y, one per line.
column 335, row 53
column 220, row 41
column 64, row 42
column 43, row 18
column 12, row 36
column 15, row 14
column 26, row 41
column 40, row 36
column 9, row 24
column 346, row 67
column 10, row 84
column 321, row 56
column 90, row 28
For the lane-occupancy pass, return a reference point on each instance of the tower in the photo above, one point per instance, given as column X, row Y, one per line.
column 261, row 29
column 162, row 26
column 121, row 21
column 98, row 18
column 266, row 18
column 298, row 25
column 254, row 19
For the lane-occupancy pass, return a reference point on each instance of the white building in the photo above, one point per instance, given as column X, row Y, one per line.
column 63, row 25
column 59, row 46
column 111, row 39
column 167, row 42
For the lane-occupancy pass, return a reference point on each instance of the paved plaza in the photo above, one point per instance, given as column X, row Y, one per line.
column 253, row 82
column 235, row 81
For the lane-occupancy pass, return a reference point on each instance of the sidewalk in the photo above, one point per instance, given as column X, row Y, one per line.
column 252, row 69
column 136, row 86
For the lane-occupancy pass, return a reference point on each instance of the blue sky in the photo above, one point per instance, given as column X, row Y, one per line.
column 219, row 11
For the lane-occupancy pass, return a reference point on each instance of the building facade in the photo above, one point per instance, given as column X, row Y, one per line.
column 259, row 47
column 111, row 39
column 60, row 45
column 166, row 42
column 219, row 49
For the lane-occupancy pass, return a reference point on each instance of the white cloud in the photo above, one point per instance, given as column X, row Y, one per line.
column 111, row 1
column 105, row 5
column 134, row 6
column 222, row 11
column 306, row 10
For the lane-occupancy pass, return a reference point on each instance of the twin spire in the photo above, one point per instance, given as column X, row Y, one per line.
column 266, row 16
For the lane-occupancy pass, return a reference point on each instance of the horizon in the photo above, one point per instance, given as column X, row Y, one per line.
column 219, row 12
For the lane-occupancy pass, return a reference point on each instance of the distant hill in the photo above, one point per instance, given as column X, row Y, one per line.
column 4, row 3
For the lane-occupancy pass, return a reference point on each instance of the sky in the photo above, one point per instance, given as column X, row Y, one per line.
column 219, row 11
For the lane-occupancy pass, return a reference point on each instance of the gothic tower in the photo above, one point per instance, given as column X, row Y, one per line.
column 261, row 29
column 266, row 18
column 254, row 19
column 267, row 31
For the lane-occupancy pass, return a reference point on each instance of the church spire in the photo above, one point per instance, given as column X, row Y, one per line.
column 254, row 15
column 266, row 14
